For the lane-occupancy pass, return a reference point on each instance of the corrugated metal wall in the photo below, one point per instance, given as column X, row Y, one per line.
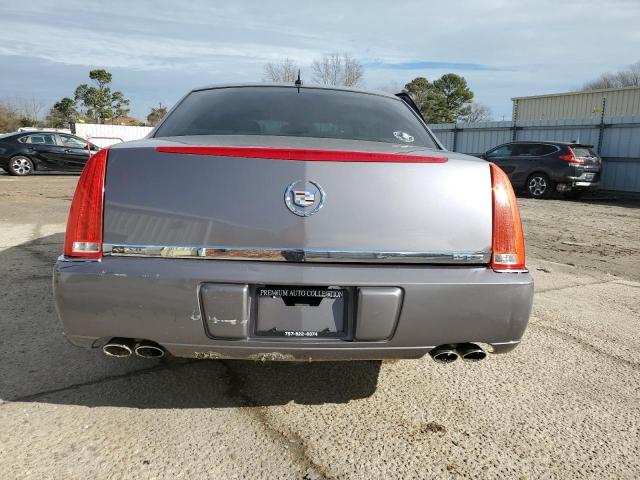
column 588, row 104
column 112, row 133
column 620, row 146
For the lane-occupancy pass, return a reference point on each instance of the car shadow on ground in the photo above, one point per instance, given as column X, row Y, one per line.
column 38, row 365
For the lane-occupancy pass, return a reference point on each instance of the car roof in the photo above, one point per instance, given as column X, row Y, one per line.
column 551, row 142
column 36, row 132
column 40, row 132
column 302, row 87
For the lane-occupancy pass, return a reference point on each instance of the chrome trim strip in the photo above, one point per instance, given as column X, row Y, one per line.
column 286, row 254
column 523, row 270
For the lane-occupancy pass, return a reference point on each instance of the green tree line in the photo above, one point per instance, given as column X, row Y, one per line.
column 443, row 100
column 447, row 99
column 95, row 102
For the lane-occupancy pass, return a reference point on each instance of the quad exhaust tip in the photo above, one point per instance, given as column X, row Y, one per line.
column 118, row 347
column 148, row 349
column 125, row 347
column 444, row 354
column 469, row 352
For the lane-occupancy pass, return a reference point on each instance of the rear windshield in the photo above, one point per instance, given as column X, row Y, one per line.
column 285, row 111
column 583, row 152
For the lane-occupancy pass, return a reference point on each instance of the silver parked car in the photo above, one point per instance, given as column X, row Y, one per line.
column 282, row 222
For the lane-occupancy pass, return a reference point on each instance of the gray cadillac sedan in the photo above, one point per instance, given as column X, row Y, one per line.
column 286, row 222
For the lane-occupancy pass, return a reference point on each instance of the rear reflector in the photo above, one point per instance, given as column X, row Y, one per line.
column 302, row 154
column 84, row 227
column 508, row 239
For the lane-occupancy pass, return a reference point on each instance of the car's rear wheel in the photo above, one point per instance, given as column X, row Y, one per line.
column 539, row 185
column 20, row 166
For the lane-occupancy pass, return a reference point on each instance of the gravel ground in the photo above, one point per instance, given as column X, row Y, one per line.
column 565, row 404
column 595, row 235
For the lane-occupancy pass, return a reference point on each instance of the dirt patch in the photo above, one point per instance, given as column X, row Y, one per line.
column 593, row 235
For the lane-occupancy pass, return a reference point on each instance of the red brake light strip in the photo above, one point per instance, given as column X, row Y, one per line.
column 302, row 154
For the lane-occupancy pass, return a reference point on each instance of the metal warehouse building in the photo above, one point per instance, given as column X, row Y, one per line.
column 594, row 104
column 607, row 119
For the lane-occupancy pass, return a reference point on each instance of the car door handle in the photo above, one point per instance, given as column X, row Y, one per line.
column 67, row 150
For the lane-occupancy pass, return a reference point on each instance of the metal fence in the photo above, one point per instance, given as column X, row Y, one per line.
column 105, row 135
column 617, row 139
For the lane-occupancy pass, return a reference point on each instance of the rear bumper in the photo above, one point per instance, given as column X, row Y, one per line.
column 158, row 300
column 577, row 185
column 586, row 180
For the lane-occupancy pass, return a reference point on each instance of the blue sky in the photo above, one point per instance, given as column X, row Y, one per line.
column 159, row 50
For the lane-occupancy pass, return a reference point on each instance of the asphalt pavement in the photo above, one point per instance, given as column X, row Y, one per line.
column 565, row 404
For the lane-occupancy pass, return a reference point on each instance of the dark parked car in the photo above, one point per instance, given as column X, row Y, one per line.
column 24, row 152
column 544, row 167
column 293, row 223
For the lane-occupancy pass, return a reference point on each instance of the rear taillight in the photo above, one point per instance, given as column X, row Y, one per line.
column 84, row 226
column 508, row 239
column 571, row 157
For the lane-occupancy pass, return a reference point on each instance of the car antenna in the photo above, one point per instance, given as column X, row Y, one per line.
column 298, row 82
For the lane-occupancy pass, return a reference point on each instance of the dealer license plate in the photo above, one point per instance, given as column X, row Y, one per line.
column 301, row 312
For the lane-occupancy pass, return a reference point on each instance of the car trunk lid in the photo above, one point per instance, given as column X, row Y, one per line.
column 158, row 193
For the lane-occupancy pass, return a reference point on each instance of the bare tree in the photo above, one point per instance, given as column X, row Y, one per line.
column 338, row 69
column 353, row 71
column 30, row 107
column 284, row 72
column 9, row 117
column 20, row 112
column 478, row 113
column 327, row 70
column 630, row 77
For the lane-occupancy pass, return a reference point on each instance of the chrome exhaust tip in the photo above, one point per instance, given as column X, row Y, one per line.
column 470, row 352
column 148, row 349
column 444, row 354
column 118, row 347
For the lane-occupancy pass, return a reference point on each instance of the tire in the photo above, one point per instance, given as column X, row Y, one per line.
column 539, row 185
column 575, row 194
column 20, row 166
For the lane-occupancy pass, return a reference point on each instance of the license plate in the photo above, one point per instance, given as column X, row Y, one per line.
column 301, row 312
column 589, row 176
